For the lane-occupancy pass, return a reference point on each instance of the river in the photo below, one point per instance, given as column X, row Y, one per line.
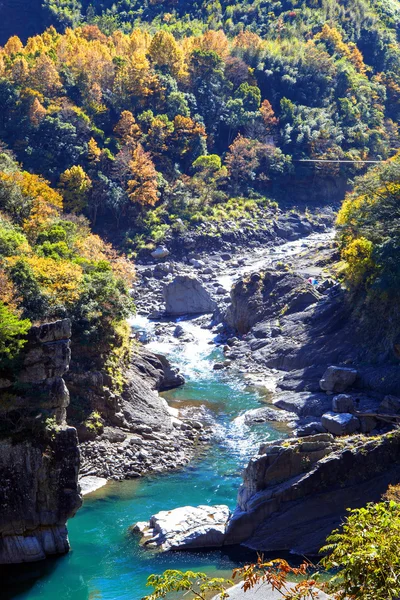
column 106, row 561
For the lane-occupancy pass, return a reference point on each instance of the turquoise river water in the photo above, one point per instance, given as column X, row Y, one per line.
column 106, row 561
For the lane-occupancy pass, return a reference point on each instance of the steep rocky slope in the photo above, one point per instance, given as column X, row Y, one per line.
column 39, row 456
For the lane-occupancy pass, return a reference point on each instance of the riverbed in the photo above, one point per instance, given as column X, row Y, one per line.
column 106, row 561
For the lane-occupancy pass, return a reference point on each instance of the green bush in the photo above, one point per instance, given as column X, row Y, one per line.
column 366, row 554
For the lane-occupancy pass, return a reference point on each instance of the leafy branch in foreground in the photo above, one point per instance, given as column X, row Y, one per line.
column 198, row 584
column 275, row 573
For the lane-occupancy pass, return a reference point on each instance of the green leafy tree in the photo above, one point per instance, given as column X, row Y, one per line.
column 366, row 554
column 12, row 332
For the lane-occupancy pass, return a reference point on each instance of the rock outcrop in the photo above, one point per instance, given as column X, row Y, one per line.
column 186, row 295
column 338, row 379
column 185, row 528
column 296, row 492
column 139, row 433
column 264, row 295
column 39, row 456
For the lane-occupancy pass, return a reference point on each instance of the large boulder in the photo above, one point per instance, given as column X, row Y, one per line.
column 337, row 379
column 186, row 295
column 296, row 492
column 160, row 253
column 340, row 423
column 185, row 528
column 265, row 295
column 343, row 404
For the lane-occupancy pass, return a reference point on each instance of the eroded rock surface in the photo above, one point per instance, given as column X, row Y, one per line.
column 39, row 456
column 185, row 528
column 296, row 492
column 186, row 295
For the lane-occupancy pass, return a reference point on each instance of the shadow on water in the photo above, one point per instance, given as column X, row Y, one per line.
column 19, row 579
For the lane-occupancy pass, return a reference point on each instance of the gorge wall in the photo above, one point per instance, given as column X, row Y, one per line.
column 39, row 455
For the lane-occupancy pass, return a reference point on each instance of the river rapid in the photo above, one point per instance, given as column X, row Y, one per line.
column 106, row 561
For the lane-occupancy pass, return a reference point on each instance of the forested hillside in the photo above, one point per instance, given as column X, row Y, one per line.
column 180, row 121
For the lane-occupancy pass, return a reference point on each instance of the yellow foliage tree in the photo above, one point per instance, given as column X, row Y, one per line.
column 75, row 185
column 360, row 264
column 45, row 78
column 8, row 293
column 214, row 41
column 33, row 186
column 127, row 129
column 164, row 52
column 13, row 46
column 142, row 185
column 94, row 152
column 60, row 279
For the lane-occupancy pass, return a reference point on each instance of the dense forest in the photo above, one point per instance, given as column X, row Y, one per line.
column 190, row 122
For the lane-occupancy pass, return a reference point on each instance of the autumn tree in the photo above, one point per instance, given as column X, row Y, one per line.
column 143, row 184
column 75, row 185
column 242, row 161
column 164, row 52
column 127, row 130
column 37, row 112
column 13, row 46
column 44, row 76
column 268, row 116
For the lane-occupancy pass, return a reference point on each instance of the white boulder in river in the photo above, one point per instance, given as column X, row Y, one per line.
column 185, row 528
column 160, row 252
column 186, row 295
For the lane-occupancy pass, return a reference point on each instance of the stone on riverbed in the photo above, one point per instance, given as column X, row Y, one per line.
column 338, row 379
column 340, row 423
column 160, row 252
column 186, row 295
column 185, row 528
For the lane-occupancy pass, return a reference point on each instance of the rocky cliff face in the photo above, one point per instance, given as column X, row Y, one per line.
column 265, row 295
column 39, row 456
column 296, row 492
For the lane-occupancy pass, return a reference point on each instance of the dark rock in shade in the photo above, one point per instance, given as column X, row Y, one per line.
column 265, row 296
column 186, row 295
column 338, row 379
column 296, row 492
column 343, row 404
column 303, row 404
column 39, row 456
column 157, row 369
column 390, row 404
column 340, row 423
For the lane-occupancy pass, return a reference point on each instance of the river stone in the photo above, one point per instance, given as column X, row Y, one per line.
column 390, row 404
column 337, row 379
column 197, row 264
column 186, row 295
column 160, row 252
column 343, row 404
column 340, row 423
column 186, row 527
